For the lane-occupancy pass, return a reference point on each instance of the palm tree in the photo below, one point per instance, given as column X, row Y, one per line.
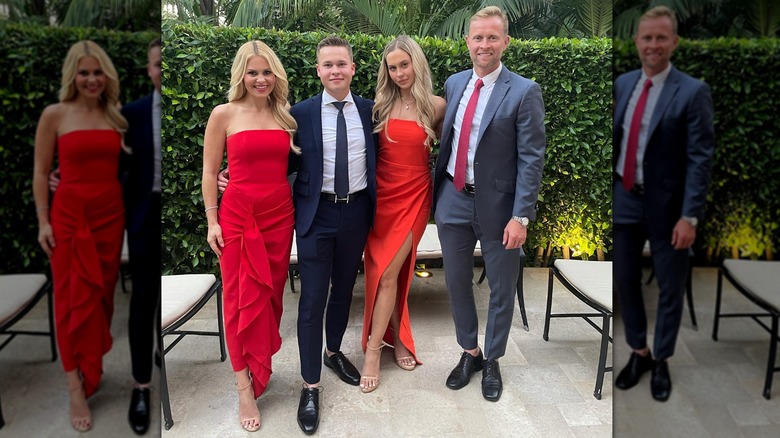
column 446, row 18
column 114, row 14
column 705, row 18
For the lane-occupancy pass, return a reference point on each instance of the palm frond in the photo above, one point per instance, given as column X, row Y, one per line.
column 764, row 16
column 250, row 13
column 371, row 17
column 456, row 25
column 595, row 17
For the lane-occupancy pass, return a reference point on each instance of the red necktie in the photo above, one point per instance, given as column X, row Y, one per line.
column 462, row 159
column 629, row 169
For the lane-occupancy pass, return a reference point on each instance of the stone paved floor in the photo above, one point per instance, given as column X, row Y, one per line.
column 716, row 386
column 548, row 386
column 34, row 391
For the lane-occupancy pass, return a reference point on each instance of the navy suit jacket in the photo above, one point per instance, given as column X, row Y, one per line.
column 678, row 158
column 510, row 149
column 140, row 164
column 308, row 183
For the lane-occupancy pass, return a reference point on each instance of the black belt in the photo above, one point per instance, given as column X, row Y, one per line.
column 637, row 189
column 467, row 188
column 331, row 197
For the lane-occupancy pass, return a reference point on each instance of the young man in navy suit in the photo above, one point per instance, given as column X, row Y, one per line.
column 332, row 217
column 663, row 142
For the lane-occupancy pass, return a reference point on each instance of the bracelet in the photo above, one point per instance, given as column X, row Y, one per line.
column 211, row 208
column 41, row 208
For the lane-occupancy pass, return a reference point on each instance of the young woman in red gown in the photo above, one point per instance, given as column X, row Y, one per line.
column 252, row 228
column 407, row 115
column 81, row 231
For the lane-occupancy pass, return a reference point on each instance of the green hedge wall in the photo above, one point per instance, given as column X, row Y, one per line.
column 575, row 76
column 30, row 64
column 743, row 206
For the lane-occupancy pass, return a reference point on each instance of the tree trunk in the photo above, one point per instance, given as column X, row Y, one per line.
column 207, row 7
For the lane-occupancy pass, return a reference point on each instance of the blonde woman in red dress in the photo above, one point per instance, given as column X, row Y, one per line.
column 81, row 231
column 251, row 229
column 407, row 116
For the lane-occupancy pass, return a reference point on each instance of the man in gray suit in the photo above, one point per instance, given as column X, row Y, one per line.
column 486, row 185
column 663, row 142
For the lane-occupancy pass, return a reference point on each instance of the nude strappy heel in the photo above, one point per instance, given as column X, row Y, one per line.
column 401, row 361
column 370, row 383
column 246, row 423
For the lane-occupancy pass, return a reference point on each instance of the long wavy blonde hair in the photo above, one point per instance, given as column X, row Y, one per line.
column 277, row 98
column 109, row 98
column 387, row 91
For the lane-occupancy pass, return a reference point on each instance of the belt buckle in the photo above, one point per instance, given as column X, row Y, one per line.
column 336, row 199
column 470, row 189
column 638, row 189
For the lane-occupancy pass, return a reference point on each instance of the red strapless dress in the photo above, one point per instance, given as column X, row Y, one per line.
column 256, row 216
column 87, row 218
column 403, row 185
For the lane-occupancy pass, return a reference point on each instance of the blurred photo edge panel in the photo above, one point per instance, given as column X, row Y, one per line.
column 75, row 77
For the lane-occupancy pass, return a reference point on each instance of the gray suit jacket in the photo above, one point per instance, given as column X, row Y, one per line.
column 678, row 159
column 510, row 149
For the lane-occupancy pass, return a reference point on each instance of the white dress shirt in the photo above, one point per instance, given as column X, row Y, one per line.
column 488, row 83
column 652, row 99
column 356, row 144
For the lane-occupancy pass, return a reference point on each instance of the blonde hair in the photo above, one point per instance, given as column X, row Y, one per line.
column 658, row 12
column 278, row 96
column 387, row 91
column 491, row 11
column 109, row 98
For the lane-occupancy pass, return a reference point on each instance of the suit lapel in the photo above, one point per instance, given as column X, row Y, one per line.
column 458, row 88
column 500, row 89
column 670, row 89
column 625, row 95
column 316, row 124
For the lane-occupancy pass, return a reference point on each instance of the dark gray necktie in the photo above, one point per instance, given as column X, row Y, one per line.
column 341, row 182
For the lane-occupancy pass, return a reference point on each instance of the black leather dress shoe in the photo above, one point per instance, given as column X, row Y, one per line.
column 461, row 374
column 138, row 416
column 630, row 375
column 491, row 381
column 309, row 410
column 343, row 367
column 661, row 382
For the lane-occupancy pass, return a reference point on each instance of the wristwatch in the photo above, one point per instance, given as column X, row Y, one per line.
column 692, row 220
column 522, row 220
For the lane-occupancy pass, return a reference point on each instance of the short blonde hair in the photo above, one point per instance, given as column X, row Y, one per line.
column 658, row 12
column 109, row 98
column 491, row 11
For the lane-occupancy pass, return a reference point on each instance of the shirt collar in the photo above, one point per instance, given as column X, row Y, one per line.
column 156, row 98
column 489, row 78
column 658, row 79
column 327, row 99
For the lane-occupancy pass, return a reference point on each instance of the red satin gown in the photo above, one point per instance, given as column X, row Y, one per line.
column 87, row 219
column 256, row 216
column 403, row 184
